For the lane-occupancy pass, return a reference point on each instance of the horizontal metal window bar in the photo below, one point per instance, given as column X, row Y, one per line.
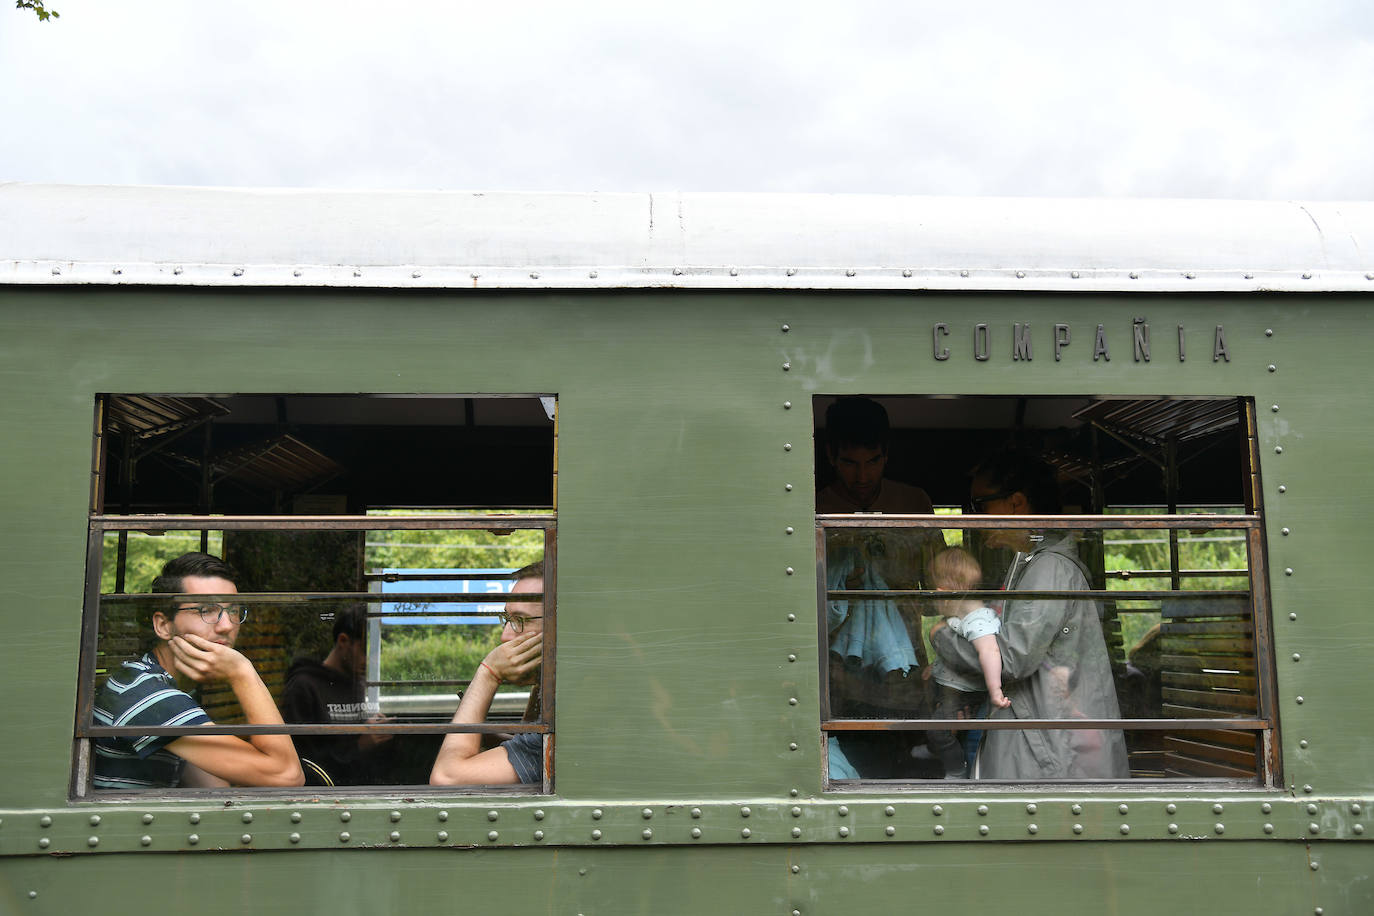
column 435, row 548
column 440, row 577
column 1183, row 540
column 532, row 508
column 517, row 791
column 472, row 617
column 361, row 728
column 1094, row 522
column 955, row 725
column 938, row 784
column 370, row 597
column 841, row 594
column 433, row 683
column 320, row 522
column 1183, row 573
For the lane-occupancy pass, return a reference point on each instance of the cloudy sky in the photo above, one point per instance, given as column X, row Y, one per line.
column 1206, row 98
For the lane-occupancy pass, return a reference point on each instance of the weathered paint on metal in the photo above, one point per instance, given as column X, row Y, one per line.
column 674, row 687
column 1241, row 878
column 942, row 817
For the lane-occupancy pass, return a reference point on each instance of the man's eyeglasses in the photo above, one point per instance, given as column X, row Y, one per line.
column 516, row 622
column 977, row 503
column 210, row 613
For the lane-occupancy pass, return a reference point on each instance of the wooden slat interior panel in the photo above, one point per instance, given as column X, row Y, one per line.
column 1207, row 670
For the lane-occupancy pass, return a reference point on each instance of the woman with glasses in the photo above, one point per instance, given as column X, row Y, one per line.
column 194, row 640
column 1054, row 658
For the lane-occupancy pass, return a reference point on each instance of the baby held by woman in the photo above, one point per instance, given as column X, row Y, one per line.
column 955, row 570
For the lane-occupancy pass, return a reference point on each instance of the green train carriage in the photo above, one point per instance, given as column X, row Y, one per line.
column 339, row 390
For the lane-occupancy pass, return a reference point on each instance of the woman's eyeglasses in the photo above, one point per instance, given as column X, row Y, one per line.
column 977, row 503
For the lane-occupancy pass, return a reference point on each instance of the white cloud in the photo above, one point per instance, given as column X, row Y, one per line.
column 1226, row 99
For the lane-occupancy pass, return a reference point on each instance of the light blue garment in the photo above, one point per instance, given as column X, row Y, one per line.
column 982, row 622
column 840, row 767
column 866, row 633
column 977, row 624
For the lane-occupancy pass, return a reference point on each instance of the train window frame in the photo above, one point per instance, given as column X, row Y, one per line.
column 495, row 520
column 1248, row 522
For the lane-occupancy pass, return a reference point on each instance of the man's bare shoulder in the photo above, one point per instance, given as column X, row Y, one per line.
column 829, row 501
column 900, row 498
column 895, row 498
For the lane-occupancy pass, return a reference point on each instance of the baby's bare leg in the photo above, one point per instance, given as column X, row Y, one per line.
column 990, row 659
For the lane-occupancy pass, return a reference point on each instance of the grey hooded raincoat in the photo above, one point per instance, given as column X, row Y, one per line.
column 1054, row 666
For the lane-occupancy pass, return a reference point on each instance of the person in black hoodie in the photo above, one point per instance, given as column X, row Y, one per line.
column 333, row 692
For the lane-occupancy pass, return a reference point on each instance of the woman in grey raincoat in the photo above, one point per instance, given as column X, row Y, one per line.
column 1054, row 659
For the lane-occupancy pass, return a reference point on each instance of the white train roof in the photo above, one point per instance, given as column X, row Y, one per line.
column 66, row 234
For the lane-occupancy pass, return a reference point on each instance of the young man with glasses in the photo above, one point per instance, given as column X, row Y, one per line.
column 461, row 760
column 193, row 641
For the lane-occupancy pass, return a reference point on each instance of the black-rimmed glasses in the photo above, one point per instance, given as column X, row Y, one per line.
column 516, row 622
column 210, row 613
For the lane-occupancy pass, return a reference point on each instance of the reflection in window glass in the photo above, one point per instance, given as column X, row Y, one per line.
column 314, row 654
column 145, row 553
column 964, row 646
column 1148, row 610
column 363, row 636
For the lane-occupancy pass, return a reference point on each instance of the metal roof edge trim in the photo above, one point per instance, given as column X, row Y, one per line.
column 68, row 234
column 49, row 273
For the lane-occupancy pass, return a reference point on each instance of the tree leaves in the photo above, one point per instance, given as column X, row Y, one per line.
column 39, row 10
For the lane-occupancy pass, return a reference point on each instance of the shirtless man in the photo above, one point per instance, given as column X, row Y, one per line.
column 869, row 676
column 856, row 437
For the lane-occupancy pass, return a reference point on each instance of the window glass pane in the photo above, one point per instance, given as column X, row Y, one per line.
column 1043, row 640
column 333, row 644
column 382, row 631
column 1077, row 625
column 145, row 552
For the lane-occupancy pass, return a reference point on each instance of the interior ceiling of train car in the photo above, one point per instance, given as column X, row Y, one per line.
column 324, row 454
column 1134, row 447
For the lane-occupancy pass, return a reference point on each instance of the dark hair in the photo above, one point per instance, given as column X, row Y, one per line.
column 170, row 582
column 199, row 565
column 1013, row 471
column 534, row 570
column 857, row 421
column 351, row 622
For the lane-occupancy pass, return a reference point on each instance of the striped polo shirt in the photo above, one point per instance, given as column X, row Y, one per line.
column 141, row 692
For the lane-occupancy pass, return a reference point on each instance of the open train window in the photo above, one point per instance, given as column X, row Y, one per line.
column 1042, row 588
column 377, row 551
